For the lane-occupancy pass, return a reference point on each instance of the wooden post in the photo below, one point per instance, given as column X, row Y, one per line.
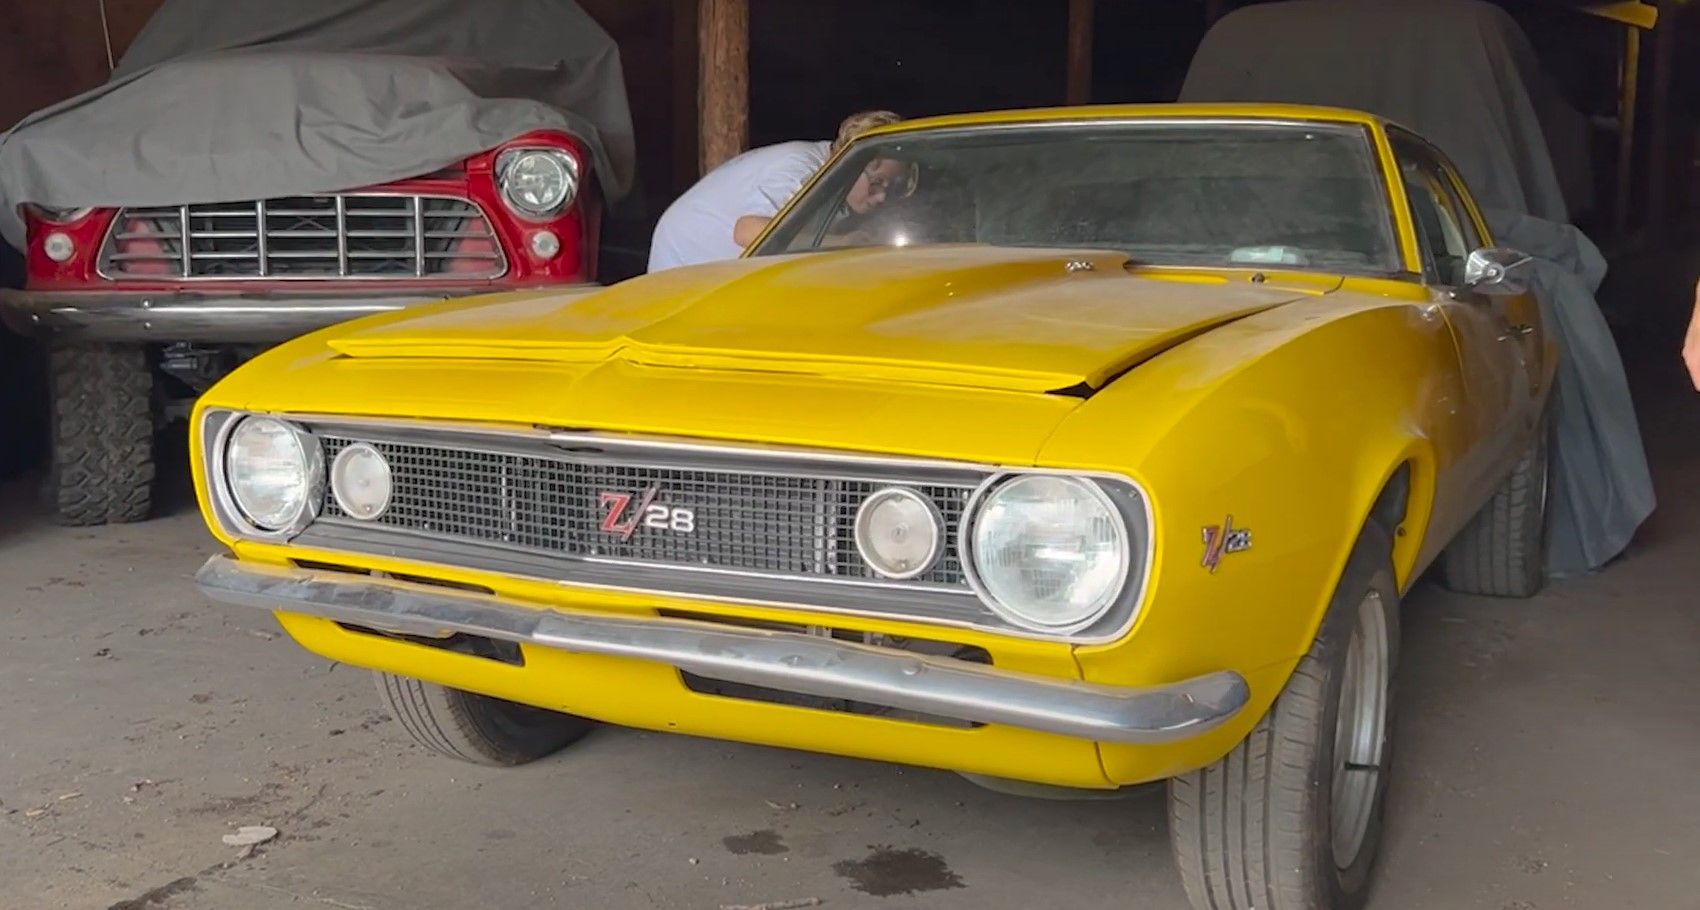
column 687, row 72
column 1079, row 51
column 1658, row 116
column 723, row 100
column 1629, row 82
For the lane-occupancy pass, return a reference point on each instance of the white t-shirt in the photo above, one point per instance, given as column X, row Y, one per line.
column 697, row 227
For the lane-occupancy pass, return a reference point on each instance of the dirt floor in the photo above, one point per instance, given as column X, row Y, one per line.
column 1548, row 755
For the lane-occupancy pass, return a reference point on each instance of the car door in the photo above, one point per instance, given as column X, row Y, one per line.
column 1492, row 334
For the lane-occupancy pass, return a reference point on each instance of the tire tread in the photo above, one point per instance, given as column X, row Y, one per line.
column 103, row 456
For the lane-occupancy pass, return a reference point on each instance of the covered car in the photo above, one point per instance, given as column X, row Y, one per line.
column 254, row 170
column 1100, row 454
column 1463, row 74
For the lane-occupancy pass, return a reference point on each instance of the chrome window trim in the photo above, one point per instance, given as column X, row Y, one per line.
column 340, row 254
column 759, row 589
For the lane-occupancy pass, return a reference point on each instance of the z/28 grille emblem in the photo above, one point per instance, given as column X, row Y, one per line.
column 622, row 517
column 1222, row 539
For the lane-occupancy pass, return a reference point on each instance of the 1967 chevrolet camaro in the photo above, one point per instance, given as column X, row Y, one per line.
column 1101, row 454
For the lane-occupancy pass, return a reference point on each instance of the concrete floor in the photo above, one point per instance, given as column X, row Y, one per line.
column 1548, row 758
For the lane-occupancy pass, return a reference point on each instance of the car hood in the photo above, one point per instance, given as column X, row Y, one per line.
column 1017, row 320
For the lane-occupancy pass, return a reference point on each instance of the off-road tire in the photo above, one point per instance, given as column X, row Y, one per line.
column 1502, row 551
column 1254, row 831
column 103, row 434
column 477, row 728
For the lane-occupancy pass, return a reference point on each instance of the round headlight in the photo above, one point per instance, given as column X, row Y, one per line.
column 1049, row 553
column 537, row 183
column 361, row 482
column 898, row 532
column 273, row 469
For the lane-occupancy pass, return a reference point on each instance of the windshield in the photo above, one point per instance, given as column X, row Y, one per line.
column 1306, row 196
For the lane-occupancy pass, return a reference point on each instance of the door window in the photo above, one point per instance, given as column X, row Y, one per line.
column 1445, row 233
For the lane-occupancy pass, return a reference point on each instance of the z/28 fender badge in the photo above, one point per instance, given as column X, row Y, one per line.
column 1222, row 539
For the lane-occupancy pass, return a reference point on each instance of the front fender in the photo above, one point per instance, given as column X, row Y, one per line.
column 1287, row 425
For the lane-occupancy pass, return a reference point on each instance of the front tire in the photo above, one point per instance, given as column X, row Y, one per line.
column 477, row 728
column 1291, row 818
column 103, row 434
column 1502, row 551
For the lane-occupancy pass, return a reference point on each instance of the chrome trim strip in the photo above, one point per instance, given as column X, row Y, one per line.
column 341, row 235
column 803, row 664
column 260, row 237
column 206, row 315
column 182, row 243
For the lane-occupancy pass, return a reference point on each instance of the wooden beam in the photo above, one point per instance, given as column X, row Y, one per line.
column 1627, row 12
column 1658, row 119
column 686, row 146
column 1629, row 83
column 723, row 101
column 1079, row 51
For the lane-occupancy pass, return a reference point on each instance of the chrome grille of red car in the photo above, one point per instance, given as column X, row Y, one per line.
column 363, row 236
column 743, row 521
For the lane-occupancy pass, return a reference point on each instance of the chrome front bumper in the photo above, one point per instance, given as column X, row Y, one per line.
column 208, row 317
column 786, row 661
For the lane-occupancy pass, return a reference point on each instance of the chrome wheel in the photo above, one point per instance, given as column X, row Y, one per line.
column 1360, row 730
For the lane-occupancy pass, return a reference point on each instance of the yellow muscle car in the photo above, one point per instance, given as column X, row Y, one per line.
column 1099, row 454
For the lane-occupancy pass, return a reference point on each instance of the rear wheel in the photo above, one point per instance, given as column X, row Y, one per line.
column 1502, row 552
column 1291, row 819
column 477, row 728
column 103, row 431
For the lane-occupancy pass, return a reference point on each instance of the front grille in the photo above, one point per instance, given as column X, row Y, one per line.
column 770, row 523
column 305, row 237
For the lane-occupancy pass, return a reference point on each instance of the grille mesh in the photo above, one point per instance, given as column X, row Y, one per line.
column 340, row 236
column 769, row 523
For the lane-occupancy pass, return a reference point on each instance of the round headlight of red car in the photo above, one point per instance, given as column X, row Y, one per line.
column 537, row 183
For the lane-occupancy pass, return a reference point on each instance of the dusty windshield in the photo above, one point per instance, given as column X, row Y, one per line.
column 1166, row 192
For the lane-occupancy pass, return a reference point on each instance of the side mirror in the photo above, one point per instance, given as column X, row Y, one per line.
column 1497, row 271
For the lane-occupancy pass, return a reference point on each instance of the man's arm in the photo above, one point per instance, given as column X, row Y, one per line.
column 747, row 228
column 1691, row 343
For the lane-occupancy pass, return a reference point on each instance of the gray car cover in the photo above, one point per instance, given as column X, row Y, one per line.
column 225, row 100
column 1462, row 74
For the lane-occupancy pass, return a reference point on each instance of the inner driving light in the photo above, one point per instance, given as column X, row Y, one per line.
column 544, row 244
column 899, row 532
column 361, row 482
column 58, row 246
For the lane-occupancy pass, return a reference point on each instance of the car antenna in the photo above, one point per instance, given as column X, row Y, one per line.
column 106, row 33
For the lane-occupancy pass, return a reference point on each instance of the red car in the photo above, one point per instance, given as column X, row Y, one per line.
column 148, row 303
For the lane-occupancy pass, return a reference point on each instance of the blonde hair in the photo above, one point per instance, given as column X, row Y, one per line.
column 860, row 122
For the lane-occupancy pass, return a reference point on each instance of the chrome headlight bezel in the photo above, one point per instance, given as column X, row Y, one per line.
column 568, row 166
column 1117, row 610
column 221, row 487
